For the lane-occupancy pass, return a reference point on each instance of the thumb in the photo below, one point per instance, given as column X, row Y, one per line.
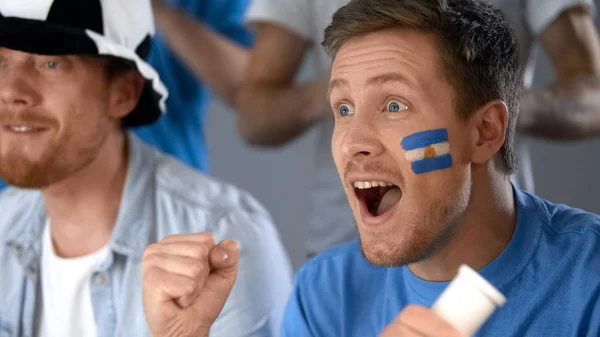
column 224, row 268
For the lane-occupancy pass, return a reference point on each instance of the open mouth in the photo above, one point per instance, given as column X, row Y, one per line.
column 378, row 196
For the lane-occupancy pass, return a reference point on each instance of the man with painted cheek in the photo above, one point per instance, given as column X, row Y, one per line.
column 425, row 96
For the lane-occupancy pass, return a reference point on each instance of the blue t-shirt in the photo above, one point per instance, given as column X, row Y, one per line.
column 180, row 132
column 549, row 272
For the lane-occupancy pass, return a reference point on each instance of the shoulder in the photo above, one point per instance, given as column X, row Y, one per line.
column 562, row 219
column 190, row 186
column 15, row 204
column 566, row 232
column 203, row 203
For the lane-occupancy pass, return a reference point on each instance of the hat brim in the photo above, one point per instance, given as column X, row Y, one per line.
column 43, row 38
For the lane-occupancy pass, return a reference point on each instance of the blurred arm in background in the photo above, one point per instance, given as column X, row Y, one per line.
column 569, row 109
column 272, row 109
column 216, row 60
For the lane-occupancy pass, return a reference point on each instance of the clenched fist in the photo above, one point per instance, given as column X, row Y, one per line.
column 187, row 279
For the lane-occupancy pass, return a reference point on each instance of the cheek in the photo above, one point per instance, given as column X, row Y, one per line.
column 336, row 149
column 432, row 161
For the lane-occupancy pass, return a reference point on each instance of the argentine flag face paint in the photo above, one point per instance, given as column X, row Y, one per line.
column 428, row 150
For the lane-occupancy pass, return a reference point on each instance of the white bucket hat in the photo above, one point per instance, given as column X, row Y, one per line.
column 111, row 28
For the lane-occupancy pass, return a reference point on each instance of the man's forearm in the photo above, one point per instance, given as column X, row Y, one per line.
column 572, row 110
column 270, row 115
column 214, row 59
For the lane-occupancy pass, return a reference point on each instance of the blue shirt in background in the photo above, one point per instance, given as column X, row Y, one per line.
column 549, row 272
column 180, row 132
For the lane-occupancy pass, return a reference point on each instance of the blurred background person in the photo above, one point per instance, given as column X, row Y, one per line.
column 569, row 108
column 199, row 49
column 273, row 109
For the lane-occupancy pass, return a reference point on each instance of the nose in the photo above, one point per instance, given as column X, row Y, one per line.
column 361, row 139
column 16, row 92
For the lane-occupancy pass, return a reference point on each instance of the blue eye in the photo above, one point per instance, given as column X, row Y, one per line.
column 52, row 64
column 345, row 110
column 395, row 106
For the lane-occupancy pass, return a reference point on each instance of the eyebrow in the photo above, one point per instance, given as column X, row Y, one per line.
column 381, row 79
column 387, row 78
column 337, row 83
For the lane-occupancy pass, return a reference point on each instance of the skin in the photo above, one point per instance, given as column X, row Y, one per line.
column 272, row 109
column 187, row 279
column 568, row 108
column 437, row 224
column 415, row 321
column 214, row 59
column 258, row 82
column 76, row 154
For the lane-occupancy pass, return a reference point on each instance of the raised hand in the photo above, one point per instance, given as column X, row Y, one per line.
column 187, row 280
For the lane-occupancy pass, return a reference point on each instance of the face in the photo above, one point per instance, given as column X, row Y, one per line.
column 53, row 116
column 399, row 145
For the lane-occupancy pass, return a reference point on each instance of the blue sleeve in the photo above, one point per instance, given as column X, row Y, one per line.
column 227, row 17
column 295, row 322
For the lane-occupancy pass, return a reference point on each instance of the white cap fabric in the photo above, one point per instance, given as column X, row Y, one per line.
column 116, row 28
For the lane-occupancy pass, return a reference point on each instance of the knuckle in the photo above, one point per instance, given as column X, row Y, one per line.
column 151, row 249
column 168, row 238
column 188, row 286
column 408, row 312
column 207, row 237
column 197, row 269
column 151, row 261
column 152, row 276
column 200, row 252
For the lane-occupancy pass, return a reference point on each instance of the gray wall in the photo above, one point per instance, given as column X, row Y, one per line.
column 280, row 179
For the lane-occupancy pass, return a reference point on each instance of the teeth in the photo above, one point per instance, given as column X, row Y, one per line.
column 369, row 184
column 20, row 128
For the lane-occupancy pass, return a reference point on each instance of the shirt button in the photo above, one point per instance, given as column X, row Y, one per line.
column 18, row 249
column 101, row 279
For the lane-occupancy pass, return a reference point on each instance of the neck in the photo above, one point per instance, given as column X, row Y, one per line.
column 483, row 232
column 83, row 208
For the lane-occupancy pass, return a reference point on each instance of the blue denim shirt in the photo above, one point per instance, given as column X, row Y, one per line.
column 161, row 197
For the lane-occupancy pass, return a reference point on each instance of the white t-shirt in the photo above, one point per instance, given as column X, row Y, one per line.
column 332, row 221
column 66, row 306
